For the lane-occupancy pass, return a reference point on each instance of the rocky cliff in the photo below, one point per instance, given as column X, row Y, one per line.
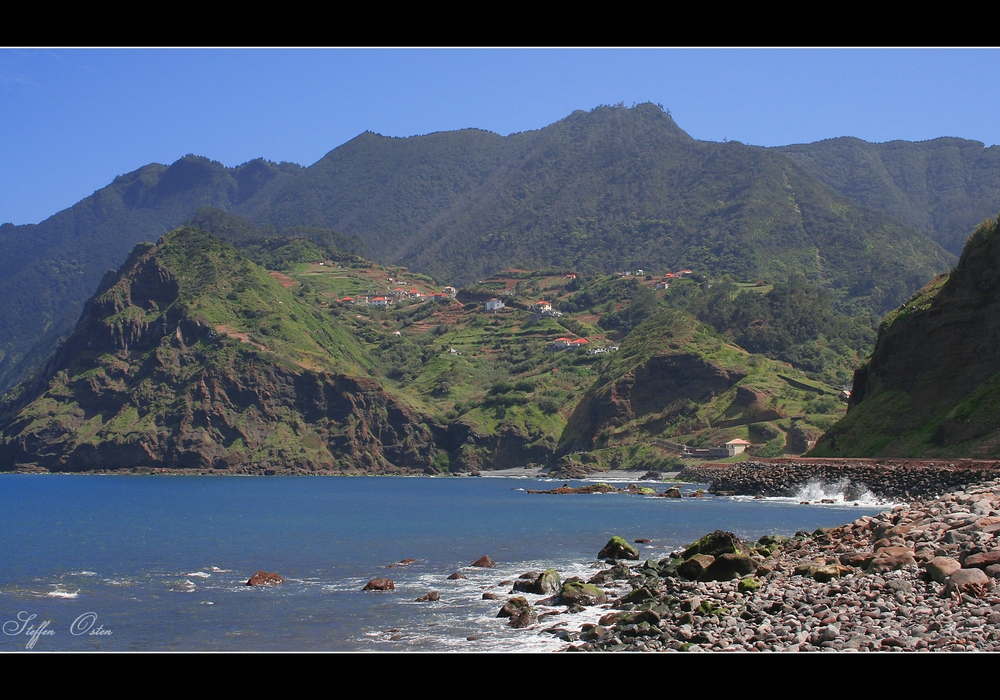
column 193, row 358
column 932, row 384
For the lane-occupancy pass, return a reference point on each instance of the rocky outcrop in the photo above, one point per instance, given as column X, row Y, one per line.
column 671, row 381
column 380, row 584
column 148, row 382
column 263, row 578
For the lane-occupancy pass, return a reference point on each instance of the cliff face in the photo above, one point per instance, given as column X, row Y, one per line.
column 193, row 358
column 667, row 386
column 932, row 385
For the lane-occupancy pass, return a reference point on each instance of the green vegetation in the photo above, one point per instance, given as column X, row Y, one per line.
column 611, row 189
column 932, row 385
column 498, row 391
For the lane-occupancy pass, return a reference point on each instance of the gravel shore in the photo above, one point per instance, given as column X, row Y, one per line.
column 922, row 577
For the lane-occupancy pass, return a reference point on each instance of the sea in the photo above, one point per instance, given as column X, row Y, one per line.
column 92, row 563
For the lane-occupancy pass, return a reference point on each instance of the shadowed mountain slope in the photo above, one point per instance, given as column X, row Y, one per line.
column 932, row 385
column 943, row 187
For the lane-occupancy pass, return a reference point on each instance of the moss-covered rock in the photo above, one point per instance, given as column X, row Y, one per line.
column 577, row 592
column 520, row 611
column 618, row 548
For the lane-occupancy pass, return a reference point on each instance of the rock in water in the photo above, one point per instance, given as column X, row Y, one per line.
column 263, row 578
column 380, row 584
column 520, row 611
column 618, row 548
column 484, row 562
column 545, row 583
column 577, row 592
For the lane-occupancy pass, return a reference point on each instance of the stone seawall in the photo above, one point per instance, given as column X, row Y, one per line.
column 885, row 478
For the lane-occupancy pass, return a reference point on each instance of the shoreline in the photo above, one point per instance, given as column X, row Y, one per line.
column 919, row 577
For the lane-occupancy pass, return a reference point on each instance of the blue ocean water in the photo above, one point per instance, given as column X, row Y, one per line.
column 158, row 563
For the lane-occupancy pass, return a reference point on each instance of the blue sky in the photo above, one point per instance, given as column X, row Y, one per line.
column 71, row 120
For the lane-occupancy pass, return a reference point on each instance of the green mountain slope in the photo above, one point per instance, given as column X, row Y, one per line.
column 675, row 380
column 192, row 357
column 48, row 270
column 599, row 191
column 932, row 385
column 943, row 187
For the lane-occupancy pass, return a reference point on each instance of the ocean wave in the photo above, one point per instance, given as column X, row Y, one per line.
column 60, row 592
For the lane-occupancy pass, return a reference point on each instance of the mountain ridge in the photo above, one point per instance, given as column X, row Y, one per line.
column 612, row 188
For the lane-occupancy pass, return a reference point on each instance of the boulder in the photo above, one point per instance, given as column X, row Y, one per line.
column 672, row 492
column 890, row 559
column 456, row 576
column 717, row 543
column 859, row 559
column 618, row 548
column 940, row 568
column 520, row 611
column 825, row 574
column 695, row 566
column 577, row 592
column 429, row 598
column 380, row 584
column 484, row 562
column 263, row 578
column 728, row 566
column 973, row 582
column 982, row 560
column 548, row 582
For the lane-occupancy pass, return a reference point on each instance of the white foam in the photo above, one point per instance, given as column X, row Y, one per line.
column 61, row 592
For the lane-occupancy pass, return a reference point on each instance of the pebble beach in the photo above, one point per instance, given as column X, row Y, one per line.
column 921, row 577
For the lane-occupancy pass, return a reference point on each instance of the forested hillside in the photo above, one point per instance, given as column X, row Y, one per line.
column 611, row 189
column 943, row 187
